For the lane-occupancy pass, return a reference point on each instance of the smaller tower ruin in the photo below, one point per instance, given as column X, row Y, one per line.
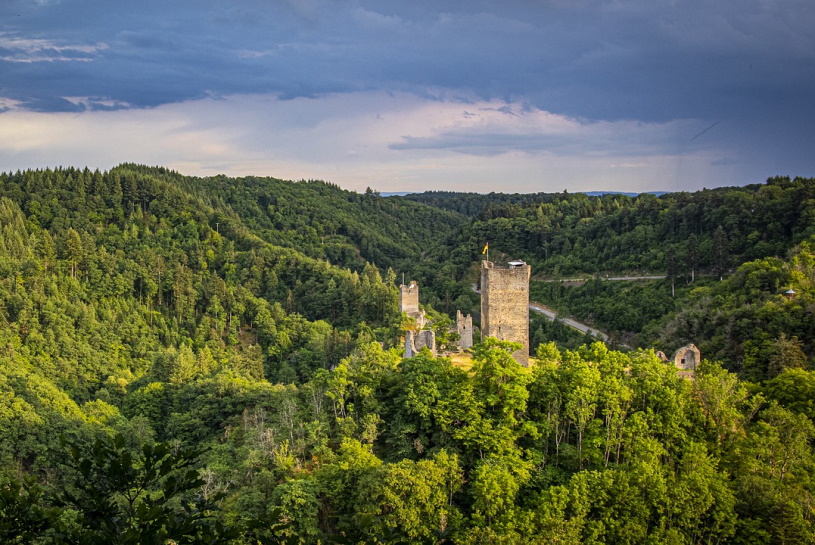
column 409, row 303
column 464, row 328
column 687, row 357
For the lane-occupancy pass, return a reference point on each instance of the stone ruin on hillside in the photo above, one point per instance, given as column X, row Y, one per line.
column 504, row 311
column 416, row 340
column 686, row 359
column 464, row 328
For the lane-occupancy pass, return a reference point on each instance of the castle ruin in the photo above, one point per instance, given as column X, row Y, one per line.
column 415, row 341
column 505, row 305
column 464, row 328
column 686, row 359
column 409, row 303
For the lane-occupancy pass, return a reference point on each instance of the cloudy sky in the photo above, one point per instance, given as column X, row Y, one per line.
column 475, row 95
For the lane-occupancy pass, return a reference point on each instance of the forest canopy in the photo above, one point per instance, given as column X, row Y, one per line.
column 219, row 360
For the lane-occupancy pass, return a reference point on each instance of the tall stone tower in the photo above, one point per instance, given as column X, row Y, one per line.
column 505, row 304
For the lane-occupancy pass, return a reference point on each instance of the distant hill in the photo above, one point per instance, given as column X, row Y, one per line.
column 627, row 194
column 471, row 204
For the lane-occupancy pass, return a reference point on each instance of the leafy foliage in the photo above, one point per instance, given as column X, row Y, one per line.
column 224, row 357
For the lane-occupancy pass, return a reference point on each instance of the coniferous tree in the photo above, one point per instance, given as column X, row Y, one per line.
column 720, row 251
column 692, row 255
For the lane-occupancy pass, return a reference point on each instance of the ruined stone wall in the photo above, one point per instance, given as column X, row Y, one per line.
column 414, row 342
column 687, row 357
column 424, row 338
column 464, row 328
column 409, row 353
column 505, row 305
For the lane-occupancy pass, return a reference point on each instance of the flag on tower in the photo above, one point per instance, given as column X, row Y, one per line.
column 486, row 247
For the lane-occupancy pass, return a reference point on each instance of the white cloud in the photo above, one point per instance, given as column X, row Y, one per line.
column 353, row 140
column 7, row 104
column 377, row 21
column 28, row 50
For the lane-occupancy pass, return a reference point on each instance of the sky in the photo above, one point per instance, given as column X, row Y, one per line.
column 476, row 95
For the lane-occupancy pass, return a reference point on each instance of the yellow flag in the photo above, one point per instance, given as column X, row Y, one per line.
column 486, row 247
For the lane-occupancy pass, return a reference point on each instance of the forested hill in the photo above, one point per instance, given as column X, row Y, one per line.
column 322, row 220
column 314, row 217
column 472, row 204
column 572, row 233
column 757, row 238
column 108, row 271
column 215, row 360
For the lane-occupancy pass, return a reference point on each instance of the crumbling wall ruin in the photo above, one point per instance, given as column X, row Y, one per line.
column 687, row 357
column 464, row 328
column 415, row 341
column 419, row 338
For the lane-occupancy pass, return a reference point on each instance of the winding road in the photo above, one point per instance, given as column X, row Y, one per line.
column 611, row 278
column 552, row 315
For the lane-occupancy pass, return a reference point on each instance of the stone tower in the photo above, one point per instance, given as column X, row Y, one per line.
column 409, row 303
column 505, row 304
column 409, row 298
column 687, row 357
column 464, row 328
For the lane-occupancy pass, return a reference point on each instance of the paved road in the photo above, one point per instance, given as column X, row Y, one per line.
column 551, row 314
column 617, row 278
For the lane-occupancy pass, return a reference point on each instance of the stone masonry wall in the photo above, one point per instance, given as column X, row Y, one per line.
column 409, row 303
column 415, row 341
column 424, row 338
column 464, row 328
column 687, row 357
column 409, row 298
column 505, row 305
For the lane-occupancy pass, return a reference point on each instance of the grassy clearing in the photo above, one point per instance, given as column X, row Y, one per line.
column 464, row 360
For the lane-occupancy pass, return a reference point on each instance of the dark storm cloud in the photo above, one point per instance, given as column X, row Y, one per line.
column 647, row 60
column 746, row 63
